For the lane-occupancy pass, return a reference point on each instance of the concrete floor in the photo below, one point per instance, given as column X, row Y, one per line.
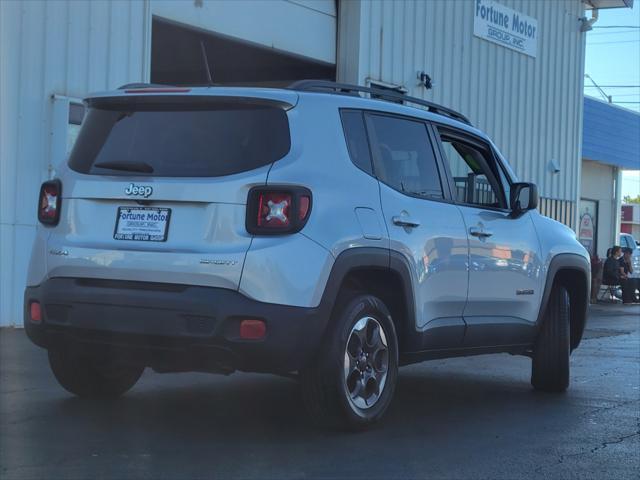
column 461, row 418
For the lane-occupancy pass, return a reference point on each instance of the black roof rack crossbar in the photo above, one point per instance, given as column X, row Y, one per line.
column 383, row 94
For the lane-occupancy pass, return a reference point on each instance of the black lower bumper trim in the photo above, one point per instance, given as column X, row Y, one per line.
column 171, row 327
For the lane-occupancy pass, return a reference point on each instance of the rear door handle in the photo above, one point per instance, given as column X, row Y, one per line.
column 402, row 221
column 479, row 232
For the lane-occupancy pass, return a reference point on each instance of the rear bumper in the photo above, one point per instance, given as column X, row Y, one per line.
column 171, row 327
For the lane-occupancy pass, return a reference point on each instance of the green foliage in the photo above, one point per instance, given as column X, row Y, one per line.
column 630, row 199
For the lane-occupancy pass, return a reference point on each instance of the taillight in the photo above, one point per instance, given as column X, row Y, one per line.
column 274, row 210
column 49, row 202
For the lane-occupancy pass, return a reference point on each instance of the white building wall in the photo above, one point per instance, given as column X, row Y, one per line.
column 531, row 107
column 66, row 48
column 598, row 182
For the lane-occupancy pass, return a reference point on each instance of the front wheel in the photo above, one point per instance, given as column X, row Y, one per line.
column 91, row 377
column 550, row 365
column 352, row 381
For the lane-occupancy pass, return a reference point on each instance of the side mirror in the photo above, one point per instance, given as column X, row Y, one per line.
column 524, row 197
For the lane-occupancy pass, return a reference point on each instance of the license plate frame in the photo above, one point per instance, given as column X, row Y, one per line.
column 143, row 229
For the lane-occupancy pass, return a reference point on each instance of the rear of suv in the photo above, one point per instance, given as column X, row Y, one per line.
column 305, row 231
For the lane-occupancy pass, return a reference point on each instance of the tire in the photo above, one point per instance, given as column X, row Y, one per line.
column 351, row 383
column 550, row 365
column 91, row 378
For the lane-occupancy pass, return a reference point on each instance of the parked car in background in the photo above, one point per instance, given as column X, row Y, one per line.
column 628, row 241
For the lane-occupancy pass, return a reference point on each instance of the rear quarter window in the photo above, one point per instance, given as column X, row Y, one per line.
column 357, row 142
column 173, row 140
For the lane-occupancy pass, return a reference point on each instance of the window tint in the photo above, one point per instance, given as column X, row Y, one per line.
column 356, row 136
column 179, row 141
column 475, row 183
column 404, row 157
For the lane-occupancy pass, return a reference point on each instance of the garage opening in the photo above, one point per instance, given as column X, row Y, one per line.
column 177, row 59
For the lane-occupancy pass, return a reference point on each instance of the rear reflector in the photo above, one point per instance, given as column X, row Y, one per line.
column 253, row 329
column 35, row 312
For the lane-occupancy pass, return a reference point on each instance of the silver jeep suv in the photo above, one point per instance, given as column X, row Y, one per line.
column 324, row 230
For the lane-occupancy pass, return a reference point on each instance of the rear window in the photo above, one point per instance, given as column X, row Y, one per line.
column 173, row 140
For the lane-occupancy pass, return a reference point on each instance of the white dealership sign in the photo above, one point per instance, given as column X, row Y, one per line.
column 506, row 27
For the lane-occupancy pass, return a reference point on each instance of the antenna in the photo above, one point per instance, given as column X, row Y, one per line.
column 205, row 60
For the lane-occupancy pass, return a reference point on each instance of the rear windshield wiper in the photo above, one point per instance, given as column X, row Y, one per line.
column 126, row 166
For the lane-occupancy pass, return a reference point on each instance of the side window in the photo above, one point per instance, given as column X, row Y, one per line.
column 475, row 182
column 356, row 137
column 403, row 155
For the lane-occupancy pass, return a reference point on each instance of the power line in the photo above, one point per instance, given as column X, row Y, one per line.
column 612, row 42
column 591, row 34
column 617, row 26
column 612, row 86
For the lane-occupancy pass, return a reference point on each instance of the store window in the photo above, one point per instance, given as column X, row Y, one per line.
column 588, row 229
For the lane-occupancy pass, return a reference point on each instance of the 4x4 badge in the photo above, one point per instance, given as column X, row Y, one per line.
column 139, row 190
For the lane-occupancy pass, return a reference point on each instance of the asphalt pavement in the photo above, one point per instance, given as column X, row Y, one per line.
column 463, row 418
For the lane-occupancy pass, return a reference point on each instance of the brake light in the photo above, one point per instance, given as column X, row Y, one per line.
column 277, row 210
column 158, row 90
column 49, row 202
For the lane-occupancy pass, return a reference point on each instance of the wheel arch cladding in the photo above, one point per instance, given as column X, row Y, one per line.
column 573, row 272
column 381, row 273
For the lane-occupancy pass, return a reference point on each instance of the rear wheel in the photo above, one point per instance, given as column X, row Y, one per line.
column 351, row 383
column 91, row 377
column 550, row 366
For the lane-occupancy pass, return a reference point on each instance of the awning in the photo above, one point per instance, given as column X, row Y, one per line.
column 608, row 4
column 611, row 134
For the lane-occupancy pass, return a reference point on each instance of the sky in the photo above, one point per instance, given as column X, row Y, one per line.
column 613, row 55
column 613, row 58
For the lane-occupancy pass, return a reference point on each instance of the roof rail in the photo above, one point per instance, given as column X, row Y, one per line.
column 355, row 90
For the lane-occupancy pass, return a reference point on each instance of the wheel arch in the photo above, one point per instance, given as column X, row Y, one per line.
column 573, row 272
column 379, row 272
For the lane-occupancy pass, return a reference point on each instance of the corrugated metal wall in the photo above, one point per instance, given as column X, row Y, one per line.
column 67, row 48
column 531, row 107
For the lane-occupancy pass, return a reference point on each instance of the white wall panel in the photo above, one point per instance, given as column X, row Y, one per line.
column 598, row 183
column 531, row 107
column 52, row 47
column 303, row 27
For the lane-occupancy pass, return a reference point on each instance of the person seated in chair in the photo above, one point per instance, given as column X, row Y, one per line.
column 628, row 285
column 611, row 272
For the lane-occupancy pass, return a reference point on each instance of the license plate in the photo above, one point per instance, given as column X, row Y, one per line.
column 145, row 224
